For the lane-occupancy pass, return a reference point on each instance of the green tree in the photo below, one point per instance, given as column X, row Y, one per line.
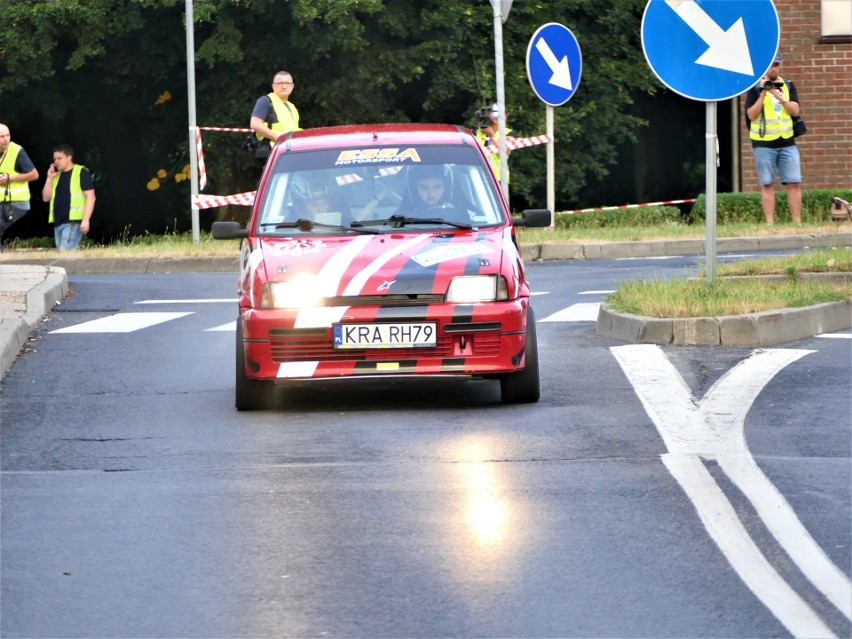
column 109, row 77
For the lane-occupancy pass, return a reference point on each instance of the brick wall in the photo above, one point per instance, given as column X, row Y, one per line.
column 823, row 77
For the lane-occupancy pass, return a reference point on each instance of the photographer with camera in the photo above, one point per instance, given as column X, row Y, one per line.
column 16, row 171
column 488, row 135
column 770, row 108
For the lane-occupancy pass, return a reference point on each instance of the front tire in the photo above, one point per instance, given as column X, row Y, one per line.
column 523, row 386
column 251, row 394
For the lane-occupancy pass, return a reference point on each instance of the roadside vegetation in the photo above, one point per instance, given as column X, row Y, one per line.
column 744, row 287
column 738, row 215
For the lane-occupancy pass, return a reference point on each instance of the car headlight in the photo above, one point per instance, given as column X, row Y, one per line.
column 468, row 289
column 299, row 292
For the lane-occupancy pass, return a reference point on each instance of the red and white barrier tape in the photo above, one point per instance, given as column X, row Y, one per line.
column 223, row 128
column 627, row 206
column 209, row 201
column 518, row 143
column 202, row 170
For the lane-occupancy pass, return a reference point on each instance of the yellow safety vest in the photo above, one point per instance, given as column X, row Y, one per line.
column 776, row 122
column 485, row 141
column 18, row 191
column 78, row 199
column 287, row 115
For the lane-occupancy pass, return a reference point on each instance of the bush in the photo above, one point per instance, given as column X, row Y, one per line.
column 733, row 208
column 639, row 216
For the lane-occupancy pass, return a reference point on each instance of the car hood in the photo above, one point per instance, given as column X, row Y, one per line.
column 386, row 264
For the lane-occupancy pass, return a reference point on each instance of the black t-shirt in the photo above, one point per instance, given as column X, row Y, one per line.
column 62, row 197
column 753, row 96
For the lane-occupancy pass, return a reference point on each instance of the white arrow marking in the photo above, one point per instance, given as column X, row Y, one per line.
column 728, row 50
column 561, row 74
column 713, row 428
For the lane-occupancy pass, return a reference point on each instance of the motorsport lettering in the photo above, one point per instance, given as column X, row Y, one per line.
column 377, row 156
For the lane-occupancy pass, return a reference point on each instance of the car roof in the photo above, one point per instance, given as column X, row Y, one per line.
column 363, row 135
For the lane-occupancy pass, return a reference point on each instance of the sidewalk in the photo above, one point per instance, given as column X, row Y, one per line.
column 30, row 286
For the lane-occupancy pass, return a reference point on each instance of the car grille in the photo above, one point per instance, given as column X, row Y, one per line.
column 419, row 299
column 314, row 345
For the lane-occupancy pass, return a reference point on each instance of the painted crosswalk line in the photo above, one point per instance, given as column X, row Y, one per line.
column 230, row 326
column 220, row 300
column 585, row 312
column 122, row 323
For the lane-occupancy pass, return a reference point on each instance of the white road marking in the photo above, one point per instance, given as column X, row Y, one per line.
column 596, row 292
column 713, row 428
column 836, row 335
column 539, row 293
column 226, row 300
column 586, row 312
column 121, row 323
column 230, row 326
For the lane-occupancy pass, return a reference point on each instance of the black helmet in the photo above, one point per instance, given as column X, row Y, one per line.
column 430, row 172
column 311, row 186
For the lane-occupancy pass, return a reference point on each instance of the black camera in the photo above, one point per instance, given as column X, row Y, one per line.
column 769, row 85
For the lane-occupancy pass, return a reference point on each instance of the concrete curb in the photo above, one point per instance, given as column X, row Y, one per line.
column 14, row 331
column 134, row 265
column 755, row 329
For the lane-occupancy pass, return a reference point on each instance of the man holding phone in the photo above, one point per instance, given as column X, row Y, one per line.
column 71, row 193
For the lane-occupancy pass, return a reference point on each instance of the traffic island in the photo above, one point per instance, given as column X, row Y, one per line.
column 766, row 328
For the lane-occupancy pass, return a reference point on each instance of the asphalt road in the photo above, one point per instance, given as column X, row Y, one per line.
column 137, row 502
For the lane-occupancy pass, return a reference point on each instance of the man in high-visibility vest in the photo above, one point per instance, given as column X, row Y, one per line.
column 770, row 109
column 488, row 135
column 274, row 115
column 16, row 172
column 71, row 193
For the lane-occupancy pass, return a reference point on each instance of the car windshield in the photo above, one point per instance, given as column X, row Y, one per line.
column 378, row 190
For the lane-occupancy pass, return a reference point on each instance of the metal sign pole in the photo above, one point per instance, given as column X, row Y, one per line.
column 551, row 167
column 711, row 155
column 501, row 98
column 190, row 99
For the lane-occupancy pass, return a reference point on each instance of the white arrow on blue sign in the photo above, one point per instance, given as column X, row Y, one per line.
column 554, row 63
column 710, row 50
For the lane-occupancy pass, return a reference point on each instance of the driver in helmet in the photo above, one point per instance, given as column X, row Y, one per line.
column 430, row 186
column 312, row 194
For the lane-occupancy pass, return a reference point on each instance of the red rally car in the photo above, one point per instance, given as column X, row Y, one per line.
column 382, row 250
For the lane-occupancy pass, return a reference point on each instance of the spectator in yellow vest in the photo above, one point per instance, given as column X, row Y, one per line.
column 273, row 114
column 16, row 171
column 71, row 193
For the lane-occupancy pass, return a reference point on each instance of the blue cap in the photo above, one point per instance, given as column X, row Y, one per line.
column 777, row 59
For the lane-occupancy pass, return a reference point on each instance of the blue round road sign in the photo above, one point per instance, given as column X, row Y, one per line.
column 710, row 50
column 554, row 63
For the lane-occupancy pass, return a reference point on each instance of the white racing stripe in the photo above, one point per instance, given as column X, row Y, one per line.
column 713, row 428
column 121, row 323
column 356, row 284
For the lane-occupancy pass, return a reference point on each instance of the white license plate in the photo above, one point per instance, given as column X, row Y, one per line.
column 410, row 335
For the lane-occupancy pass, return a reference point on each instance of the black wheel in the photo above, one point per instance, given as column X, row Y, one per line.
column 523, row 387
column 251, row 394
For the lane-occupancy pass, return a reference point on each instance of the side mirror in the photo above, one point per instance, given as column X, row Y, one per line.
column 534, row 218
column 228, row 231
